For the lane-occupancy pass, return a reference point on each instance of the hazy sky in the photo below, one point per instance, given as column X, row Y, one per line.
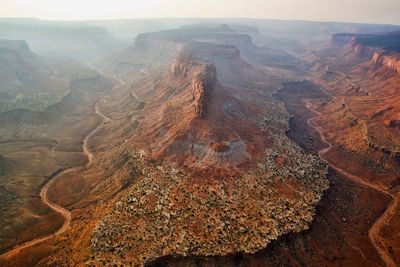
column 375, row 11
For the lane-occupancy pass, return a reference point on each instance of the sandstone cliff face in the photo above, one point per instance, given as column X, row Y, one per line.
column 181, row 66
column 202, row 85
column 389, row 61
column 152, row 50
column 380, row 49
column 192, row 114
column 356, row 53
column 365, row 82
column 203, row 75
column 147, row 52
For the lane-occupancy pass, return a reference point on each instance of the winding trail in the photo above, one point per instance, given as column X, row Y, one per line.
column 373, row 232
column 55, row 207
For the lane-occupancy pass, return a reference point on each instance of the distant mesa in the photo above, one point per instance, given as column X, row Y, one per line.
column 382, row 49
column 20, row 46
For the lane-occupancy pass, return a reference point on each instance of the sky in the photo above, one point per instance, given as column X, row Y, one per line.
column 367, row 11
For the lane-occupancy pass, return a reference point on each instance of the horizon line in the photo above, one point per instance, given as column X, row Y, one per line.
column 200, row 17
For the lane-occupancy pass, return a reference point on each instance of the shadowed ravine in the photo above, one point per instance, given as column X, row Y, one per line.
column 55, row 207
column 373, row 233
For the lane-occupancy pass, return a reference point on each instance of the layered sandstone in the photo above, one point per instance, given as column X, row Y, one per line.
column 365, row 82
column 202, row 85
column 192, row 108
column 390, row 61
column 382, row 49
column 204, row 78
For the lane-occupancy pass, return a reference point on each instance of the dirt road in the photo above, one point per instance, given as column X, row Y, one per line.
column 55, row 207
column 373, row 233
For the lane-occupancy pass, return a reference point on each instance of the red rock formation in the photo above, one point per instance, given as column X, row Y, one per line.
column 191, row 110
column 202, row 85
column 365, row 82
column 204, row 78
column 356, row 53
column 208, row 161
column 381, row 49
column 391, row 61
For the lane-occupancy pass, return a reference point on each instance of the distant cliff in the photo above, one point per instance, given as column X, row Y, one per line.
column 382, row 49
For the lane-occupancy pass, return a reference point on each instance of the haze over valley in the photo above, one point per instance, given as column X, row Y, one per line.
column 199, row 141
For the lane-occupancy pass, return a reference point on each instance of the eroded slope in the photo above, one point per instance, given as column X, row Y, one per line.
column 211, row 169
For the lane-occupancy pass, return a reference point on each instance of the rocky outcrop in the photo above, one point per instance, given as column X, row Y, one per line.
column 198, row 120
column 202, row 85
column 184, row 65
column 204, row 77
column 391, row 61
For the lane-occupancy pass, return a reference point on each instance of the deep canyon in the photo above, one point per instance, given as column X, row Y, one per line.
column 208, row 143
